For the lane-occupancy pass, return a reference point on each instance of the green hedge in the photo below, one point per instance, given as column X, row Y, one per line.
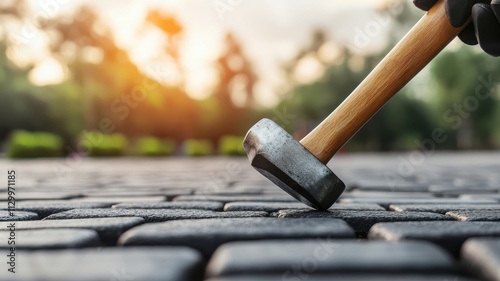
column 231, row 145
column 197, row 147
column 22, row 144
column 151, row 146
column 106, row 146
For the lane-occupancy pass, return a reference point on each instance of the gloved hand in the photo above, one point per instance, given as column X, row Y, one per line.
column 485, row 26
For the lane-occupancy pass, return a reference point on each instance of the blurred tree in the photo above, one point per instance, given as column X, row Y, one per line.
column 467, row 96
column 235, row 71
column 172, row 30
column 116, row 93
column 234, row 92
column 314, row 100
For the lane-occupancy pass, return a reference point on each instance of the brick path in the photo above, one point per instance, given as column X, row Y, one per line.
column 402, row 217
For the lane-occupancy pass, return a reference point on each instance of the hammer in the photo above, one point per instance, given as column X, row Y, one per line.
column 299, row 168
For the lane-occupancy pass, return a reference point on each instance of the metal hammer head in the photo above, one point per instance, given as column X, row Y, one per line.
column 282, row 159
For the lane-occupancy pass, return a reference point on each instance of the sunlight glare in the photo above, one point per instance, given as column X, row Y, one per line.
column 49, row 71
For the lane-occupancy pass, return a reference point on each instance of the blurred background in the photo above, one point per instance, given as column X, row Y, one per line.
column 113, row 78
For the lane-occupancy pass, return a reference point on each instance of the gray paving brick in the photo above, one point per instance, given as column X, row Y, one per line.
column 345, row 277
column 495, row 197
column 475, row 215
column 48, row 207
column 323, row 256
column 208, row 205
column 109, row 229
column 482, row 256
column 386, row 202
column 384, row 185
column 451, row 190
column 236, row 198
column 151, row 215
column 230, row 192
column 207, row 234
column 384, row 194
column 23, row 195
column 441, row 208
column 361, row 221
column 152, row 264
column 447, row 234
column 277, row 206
column 116, row 200
column 50, row 238
column 17, row 216
column 142, row 192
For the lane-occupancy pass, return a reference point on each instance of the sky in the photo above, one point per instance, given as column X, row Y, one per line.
column 271, row 33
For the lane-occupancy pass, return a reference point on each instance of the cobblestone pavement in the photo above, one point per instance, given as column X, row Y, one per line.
column 404, row 216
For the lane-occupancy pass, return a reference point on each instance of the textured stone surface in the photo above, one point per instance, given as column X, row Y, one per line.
column 277, row 206
column 48, row 207
column 476, row 215
column 361, row 221
column 206, row 235
column 448, row 234
column 151, row 215
column 441, row 208
column 17, row 216
column 50, row 239
column 109, row 229
column 482, row 256
column 152, row 264
column 209, row 205
column 328, row 257
column 147, row 186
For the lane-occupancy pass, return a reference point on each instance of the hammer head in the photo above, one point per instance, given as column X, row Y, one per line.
column 282, row 159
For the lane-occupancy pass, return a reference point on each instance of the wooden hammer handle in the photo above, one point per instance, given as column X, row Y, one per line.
column 422, row 43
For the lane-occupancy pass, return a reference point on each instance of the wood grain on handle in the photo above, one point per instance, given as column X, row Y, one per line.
column 422, row 43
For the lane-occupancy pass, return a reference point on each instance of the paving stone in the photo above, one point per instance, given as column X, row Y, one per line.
column 109, row 229
column 116, row 200
column 495, row 197
column 48, row 207
column 476, row 215
column 18, row 216
column 121, row 192
column 277, row 206
column 447, row 234
column 235, row 198
column 49, row 238
column 386, row 202
column 344, row 277
column 208, row 205
column 207, row 234
column 230, row 192
column 151, row 215
column 151, row 264
column 482, row 256
column 451, row 190
column 21, row 196
column 384, row 185
column 361, row 221
column 441, row 208
column 382, row 194
column 322, row 256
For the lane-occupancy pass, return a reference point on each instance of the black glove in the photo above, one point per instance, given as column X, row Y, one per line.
column 485, row 26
